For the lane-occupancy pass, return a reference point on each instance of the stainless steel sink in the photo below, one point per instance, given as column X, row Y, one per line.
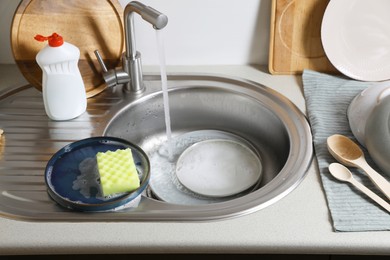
column 269, row 122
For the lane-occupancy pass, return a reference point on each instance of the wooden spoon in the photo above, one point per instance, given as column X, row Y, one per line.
column 341, row 173
column 349, row 153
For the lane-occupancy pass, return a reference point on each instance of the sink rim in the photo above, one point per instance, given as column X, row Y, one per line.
column 108, row 104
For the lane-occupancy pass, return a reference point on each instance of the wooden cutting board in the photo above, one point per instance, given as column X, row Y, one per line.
column 295, row 37
column 89, row 25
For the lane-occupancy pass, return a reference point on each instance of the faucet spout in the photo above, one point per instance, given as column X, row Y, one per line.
column 154, row 17
column 131, row 72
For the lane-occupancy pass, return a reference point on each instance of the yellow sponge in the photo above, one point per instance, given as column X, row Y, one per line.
column 117, row 171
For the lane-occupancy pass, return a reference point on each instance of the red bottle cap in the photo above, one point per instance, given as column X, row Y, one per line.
column 55, row 40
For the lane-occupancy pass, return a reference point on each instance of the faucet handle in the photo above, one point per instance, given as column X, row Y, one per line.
column 100, row 60
column 109, row 76
column 112, row 77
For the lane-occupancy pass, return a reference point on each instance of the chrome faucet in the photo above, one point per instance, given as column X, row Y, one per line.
column 131, row 72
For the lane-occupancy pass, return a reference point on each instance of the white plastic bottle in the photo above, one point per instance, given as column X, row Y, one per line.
column 63, row 90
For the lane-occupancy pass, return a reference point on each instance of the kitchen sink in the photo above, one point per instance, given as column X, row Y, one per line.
column 267, row 121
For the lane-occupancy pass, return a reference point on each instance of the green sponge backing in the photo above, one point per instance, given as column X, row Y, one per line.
column 117, row 171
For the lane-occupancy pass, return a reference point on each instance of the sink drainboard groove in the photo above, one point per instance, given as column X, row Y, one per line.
column 28, row 142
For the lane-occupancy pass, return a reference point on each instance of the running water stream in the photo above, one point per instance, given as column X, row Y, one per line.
column 164, row 86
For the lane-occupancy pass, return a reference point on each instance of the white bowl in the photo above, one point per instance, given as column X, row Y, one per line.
column 378, row 135
column 362, row 106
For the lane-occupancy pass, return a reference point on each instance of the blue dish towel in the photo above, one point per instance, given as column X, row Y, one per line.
column 327, row 100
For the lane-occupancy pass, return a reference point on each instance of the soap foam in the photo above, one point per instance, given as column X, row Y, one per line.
column 88, row 182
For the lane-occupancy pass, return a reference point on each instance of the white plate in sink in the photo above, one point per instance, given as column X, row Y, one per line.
column 355, row 35
column 218, row 168
column 164, row 183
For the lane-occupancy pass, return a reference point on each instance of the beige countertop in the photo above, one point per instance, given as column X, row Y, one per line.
column 299, row 223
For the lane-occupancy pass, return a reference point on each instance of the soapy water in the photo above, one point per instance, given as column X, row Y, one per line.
column 164, row 182
column 88, row 182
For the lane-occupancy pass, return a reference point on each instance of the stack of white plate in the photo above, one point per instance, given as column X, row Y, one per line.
column 356, row 38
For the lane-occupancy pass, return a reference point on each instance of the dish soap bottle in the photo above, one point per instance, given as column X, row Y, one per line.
column 63, row 90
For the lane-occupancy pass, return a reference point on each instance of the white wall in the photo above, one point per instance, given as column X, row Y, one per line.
column 199, row 32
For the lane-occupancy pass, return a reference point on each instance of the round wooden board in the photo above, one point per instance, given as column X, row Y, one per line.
column 89, row 25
